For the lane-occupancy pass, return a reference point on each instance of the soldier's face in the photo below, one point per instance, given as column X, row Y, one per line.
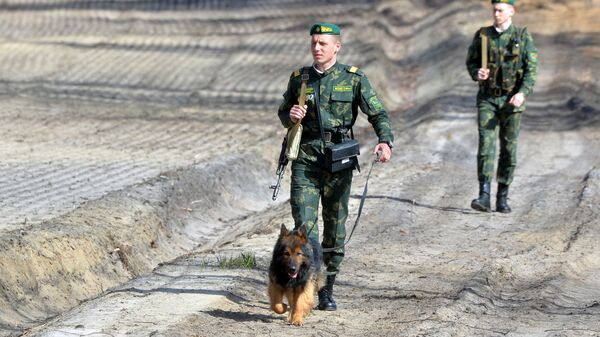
column 502, row 13
column 324, row 48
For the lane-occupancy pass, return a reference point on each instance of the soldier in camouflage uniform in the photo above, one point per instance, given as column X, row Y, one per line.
column 503, row 88
column 341, row 90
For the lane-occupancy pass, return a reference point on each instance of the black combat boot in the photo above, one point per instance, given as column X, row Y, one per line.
column 326, row 301
column 483, row 202
column 501, row 204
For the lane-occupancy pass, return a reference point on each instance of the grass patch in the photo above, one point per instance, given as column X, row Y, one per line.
column 243, row 261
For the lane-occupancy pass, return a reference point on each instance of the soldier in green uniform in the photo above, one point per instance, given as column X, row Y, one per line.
column 503, row 88
column 339, row 90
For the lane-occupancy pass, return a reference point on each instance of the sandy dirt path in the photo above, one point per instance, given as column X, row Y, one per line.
column 121, row 190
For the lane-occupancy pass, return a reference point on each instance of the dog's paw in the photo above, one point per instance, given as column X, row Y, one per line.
column 279, row 308
column 296, row 319
column 297, row 322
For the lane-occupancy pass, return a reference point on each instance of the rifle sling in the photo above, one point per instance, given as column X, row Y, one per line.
column 484, row 49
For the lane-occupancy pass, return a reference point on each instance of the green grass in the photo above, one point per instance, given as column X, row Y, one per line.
column 243, row 261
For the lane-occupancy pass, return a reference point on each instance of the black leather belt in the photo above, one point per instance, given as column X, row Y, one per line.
column 312, row 136
column 330, row 136
column 497, row 92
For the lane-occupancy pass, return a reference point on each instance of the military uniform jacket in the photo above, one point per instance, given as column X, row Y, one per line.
column 513, row 60
column 342, row 90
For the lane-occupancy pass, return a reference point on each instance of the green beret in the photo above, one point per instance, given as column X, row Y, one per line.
column 325, row 28
column 510, row 2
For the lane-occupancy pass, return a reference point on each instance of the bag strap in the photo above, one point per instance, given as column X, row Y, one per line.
column 316, row 92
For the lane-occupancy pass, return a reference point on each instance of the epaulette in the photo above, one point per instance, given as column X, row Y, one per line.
column 354, row 70
column 522, row 32
column 298, row 72
column 486, row 31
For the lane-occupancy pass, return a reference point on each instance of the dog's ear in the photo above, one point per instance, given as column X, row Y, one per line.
column 284, row 231
column 302, row 230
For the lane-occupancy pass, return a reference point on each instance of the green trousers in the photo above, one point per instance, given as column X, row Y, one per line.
column 494, row 113
column 311, row 184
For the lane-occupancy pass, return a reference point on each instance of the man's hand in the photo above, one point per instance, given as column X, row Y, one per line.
column 517, row 100
column 297, row 113
column 483, row 74
column 386, row 152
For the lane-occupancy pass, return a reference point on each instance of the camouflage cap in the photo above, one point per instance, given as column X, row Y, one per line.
column 510, row 2
column 325, row 28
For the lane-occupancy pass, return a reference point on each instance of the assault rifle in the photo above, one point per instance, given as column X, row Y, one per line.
column 283, row 161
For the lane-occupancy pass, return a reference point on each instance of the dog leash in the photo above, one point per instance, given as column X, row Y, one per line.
column 360, row 207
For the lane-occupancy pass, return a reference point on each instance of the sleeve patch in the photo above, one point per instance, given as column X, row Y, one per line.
column 375, row 103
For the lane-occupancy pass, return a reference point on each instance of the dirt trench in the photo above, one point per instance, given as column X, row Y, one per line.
column 53, row 266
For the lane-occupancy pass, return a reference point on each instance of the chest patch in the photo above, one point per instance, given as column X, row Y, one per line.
column 342, row 88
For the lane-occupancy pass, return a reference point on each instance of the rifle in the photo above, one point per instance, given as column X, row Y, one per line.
column 291, row 142
column 283, row 161
column 294, row 134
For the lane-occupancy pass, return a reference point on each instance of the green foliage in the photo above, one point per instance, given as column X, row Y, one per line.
column 244, row 261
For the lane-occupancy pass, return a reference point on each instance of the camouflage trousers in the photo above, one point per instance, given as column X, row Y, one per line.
column 494, row 113
column 309, row 185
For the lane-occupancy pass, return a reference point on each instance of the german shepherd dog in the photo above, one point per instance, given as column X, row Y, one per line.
column 296, row 271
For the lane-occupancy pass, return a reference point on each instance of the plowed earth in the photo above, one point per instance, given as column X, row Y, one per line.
column 139, row 138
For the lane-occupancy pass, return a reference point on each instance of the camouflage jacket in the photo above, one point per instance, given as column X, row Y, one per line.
column 343, row 89
column 512, row 59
